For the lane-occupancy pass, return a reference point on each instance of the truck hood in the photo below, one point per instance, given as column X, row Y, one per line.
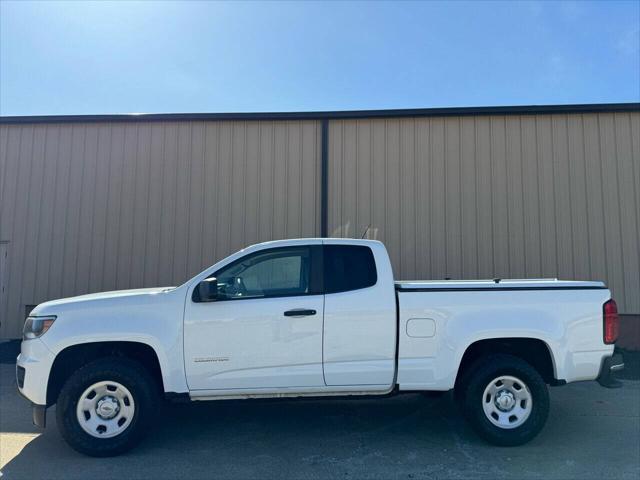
column 93, row 300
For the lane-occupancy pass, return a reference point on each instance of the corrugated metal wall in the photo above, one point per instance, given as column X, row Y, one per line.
column 495, row 196
column 100, row 206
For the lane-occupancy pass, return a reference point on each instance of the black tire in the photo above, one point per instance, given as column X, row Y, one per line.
column 130, row 374
column 470, row 392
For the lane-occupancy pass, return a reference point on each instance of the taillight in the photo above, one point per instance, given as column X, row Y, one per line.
column 610, row 313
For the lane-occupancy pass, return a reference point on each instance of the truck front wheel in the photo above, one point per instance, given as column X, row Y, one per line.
column 505, row 399
column 105, row 407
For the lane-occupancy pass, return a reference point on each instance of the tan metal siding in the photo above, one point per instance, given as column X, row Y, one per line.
column 495, row 196
column 101, row 206
column 105, row 206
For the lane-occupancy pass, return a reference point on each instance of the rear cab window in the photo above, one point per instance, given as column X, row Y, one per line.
column 348, row 267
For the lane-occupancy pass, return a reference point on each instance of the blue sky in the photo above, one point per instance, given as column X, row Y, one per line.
column 117, row 57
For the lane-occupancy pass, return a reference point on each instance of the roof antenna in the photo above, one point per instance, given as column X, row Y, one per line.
column 365, row 232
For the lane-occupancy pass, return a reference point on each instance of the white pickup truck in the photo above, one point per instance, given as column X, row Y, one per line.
column 313, row 317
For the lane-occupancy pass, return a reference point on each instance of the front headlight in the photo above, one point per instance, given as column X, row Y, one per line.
column 35, row 327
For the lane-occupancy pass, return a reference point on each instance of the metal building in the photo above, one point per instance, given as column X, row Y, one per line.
column 94, row 203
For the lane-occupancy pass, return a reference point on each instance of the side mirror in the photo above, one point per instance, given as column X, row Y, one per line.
column 208, row 290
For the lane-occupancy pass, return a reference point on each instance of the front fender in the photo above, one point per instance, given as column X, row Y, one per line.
column 156, row 322
column 168, row 375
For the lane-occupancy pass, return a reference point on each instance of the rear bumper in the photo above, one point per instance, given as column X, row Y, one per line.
column 610, row 365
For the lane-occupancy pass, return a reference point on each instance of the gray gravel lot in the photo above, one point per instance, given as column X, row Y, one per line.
column 592, row 433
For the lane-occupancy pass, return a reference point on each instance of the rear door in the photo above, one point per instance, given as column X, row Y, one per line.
column 359, row 315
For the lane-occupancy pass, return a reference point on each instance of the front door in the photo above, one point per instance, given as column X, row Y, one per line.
column 264, row 331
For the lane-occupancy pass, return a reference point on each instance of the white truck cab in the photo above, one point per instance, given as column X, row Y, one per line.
column 313, row 317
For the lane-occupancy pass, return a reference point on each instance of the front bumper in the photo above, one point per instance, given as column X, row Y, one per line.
column 610, row 365
column 33, row 366
column 38, row 412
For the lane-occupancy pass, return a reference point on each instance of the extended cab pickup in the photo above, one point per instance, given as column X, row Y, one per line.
column 313, row 317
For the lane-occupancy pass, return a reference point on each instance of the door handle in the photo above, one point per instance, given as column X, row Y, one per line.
column 299, row 312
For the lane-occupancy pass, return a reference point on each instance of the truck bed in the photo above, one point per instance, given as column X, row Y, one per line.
column 438, row 320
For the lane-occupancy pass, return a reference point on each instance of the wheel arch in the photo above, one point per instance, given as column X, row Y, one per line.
column 535, row 351
column 71, row 357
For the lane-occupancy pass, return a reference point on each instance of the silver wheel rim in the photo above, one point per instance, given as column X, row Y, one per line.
column 507, row 402
column 105, row 409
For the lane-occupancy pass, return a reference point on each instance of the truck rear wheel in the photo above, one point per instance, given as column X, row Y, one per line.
column 105, row 407
column 505, row 399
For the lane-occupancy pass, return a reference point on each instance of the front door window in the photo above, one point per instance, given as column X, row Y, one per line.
column 273, row 273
